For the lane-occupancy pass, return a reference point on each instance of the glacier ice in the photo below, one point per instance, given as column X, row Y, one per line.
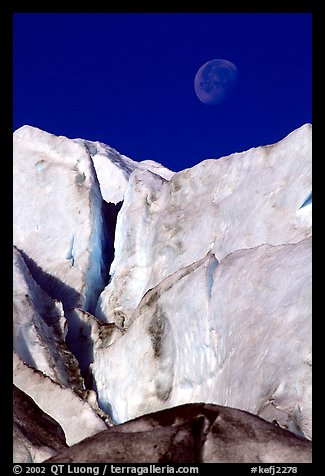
column 37, row 436
column 114, row 169
column 57, row 206
column 201, row 291
column 75, row 415
column 236, row 202
column 247, row 205
column 201, row 347
column 39, row 329
column 191, row 433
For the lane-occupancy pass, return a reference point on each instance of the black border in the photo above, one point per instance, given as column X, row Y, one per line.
column 7, row 10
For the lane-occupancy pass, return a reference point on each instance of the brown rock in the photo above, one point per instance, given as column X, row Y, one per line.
column 191, row 433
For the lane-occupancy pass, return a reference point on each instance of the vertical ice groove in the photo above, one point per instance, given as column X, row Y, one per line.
column 307, row 201
column 70, row 255
column 103, row 235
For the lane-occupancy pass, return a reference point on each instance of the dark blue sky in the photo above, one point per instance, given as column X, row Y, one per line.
column 127, row 80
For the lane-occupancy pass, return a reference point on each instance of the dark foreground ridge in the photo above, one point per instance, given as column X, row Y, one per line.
column 191, row 433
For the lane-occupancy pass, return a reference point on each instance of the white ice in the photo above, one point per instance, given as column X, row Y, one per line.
column 39, row 328
column 76, row 417
column 224, row 344
column 57, row 215
column 236, row 202
column 246, row 343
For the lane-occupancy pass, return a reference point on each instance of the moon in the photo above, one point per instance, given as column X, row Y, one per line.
column 215, row 80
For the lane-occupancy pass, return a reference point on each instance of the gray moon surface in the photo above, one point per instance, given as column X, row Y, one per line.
column 215, row 80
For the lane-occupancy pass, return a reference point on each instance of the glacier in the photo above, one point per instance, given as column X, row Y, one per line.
column 191, row 433
column 248, row 199
column 138, row 289
column 184, row 357
column 45, row 439
column 74, row 413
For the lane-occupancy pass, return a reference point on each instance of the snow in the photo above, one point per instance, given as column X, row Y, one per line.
column 156, row 168
column 25, row 452
column 114, row 169
column 250, row 201
column 58, row 220
column 194, row 348
column 240, row 201
column 209, row 293
column 59, row 227
column 43, row 365
column 39, row 328
column 133, row 244
column 76, row 417
column 59, row 205
column 307, row 201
